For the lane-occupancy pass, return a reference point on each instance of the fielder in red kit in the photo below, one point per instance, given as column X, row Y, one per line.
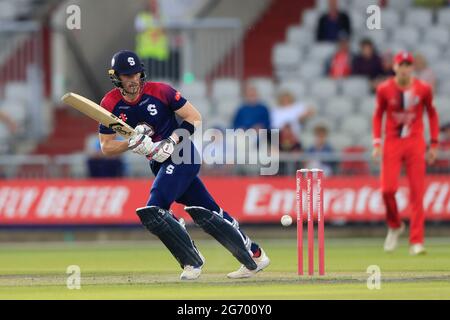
column 404, row 99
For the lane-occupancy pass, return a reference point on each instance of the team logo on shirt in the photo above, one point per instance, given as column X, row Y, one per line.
column 393, row 102
column 151, row 108
column 123, row 117
column 177, row 96
column 411, row 100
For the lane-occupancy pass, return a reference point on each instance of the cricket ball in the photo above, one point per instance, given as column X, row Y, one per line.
column 286, row 220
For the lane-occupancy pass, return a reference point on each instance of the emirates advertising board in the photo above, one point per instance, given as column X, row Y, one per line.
column 250, row 200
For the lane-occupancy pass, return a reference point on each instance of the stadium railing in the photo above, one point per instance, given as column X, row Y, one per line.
column 75, row 166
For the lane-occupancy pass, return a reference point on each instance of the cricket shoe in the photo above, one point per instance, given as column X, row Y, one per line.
column 391, row 242
column 261, row 262
column 192, row 273
column 417, row 249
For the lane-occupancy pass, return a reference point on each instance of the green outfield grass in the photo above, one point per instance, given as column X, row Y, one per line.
column 145, row 270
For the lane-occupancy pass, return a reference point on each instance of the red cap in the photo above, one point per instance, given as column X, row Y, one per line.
column 403, row 56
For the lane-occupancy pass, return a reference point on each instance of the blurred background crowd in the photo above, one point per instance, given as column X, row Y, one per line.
column 308, row 68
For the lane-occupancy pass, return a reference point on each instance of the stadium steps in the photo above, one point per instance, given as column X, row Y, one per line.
column 268, row 30
column 69, row 134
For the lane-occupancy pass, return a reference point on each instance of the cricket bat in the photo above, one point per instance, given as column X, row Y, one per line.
column 99, row 114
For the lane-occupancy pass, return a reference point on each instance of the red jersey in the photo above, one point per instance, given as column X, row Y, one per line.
column 404, row 109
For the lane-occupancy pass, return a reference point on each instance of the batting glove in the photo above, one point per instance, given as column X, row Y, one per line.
column 140, row 144
column 144, row 129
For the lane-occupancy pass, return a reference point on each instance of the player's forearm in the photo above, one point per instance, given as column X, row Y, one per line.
column 194, row 118
column 376, row 129
column 377, row 118
column 114, row 147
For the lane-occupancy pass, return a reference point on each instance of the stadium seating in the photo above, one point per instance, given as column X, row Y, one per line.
column 345, row 106
column 443, row 17
column 406, row 35
column 264, row 86
column 227, row 108
column 324, row 88
column 202, row 104
column 226, row 88
column 379, row 37
column 319, row 52
column 401, row 5
column 338, row 107
column 286, row 56
column 193, row 90
column 310, row 18
column 297, row 88
column 391, row 19
column 421, row 18
column 320, row 120
column 300, row 36
column 430, row 51
column 310, row 71
column 339, row 141
column 439, row 35
column 355, row 87
column 348, row 104
column 356, row 125
column 298, row 64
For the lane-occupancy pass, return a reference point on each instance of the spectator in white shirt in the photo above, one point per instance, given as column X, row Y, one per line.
column 290, row 113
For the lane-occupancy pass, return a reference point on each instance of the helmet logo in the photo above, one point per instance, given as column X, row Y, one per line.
column 131, row 61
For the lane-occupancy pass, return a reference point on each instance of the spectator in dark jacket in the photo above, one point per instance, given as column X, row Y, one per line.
column 387, row 61
column 101, row 166
column 252, row 113
column 333, row 24
column 367, row 62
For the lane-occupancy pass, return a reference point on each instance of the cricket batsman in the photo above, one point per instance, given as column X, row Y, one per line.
column 404, row 99
column 152, row 108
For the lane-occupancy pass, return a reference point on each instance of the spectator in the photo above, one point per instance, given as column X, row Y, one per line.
column 387, row 64
column 6, row 120
column 152, row 43
column 387, row 69
column 101, row 166
column 11, row 128
column 320, row 149
column 289, row 115
column 289, row 141
column 422, row 70
column 340, row 64
column 333, row 24
column 252, row 113
column 367, row 62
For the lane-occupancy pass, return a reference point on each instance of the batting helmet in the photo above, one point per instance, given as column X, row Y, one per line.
column 125, row 62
